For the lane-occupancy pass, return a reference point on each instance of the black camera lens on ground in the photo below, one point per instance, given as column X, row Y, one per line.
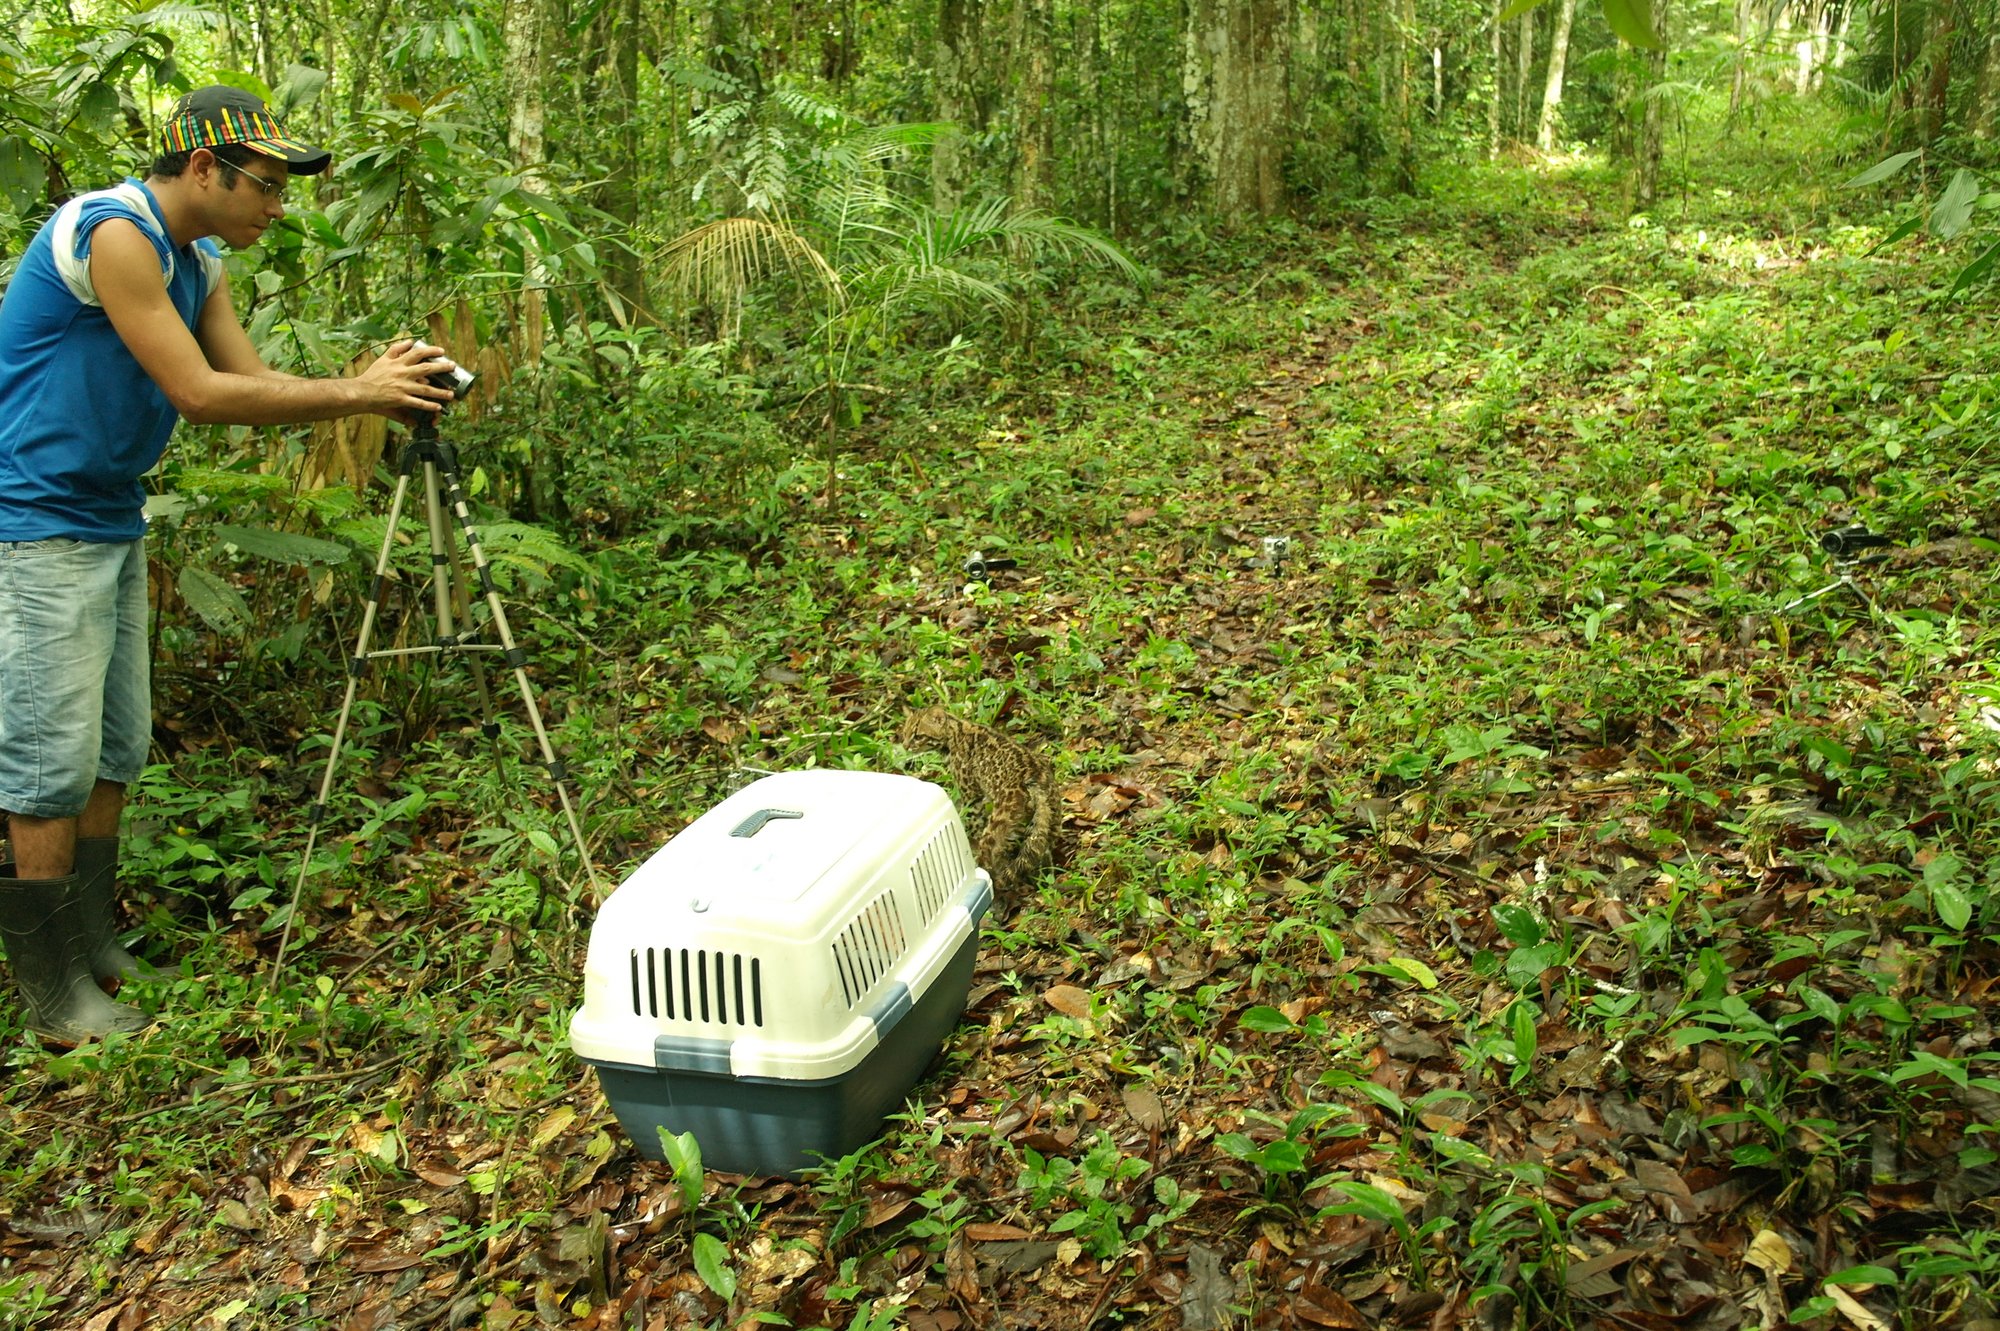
column 1847, row 542
column 978, row 564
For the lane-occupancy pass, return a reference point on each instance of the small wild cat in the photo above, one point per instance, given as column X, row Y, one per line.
column 1015, row 786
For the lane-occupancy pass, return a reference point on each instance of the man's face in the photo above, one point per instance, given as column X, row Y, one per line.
column 246, row 199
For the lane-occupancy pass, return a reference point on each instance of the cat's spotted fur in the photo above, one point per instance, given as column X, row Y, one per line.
column 1014, row 786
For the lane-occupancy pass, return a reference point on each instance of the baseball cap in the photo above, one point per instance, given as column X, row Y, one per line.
column 210, row 117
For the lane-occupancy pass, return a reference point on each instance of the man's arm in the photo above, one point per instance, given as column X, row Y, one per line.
column 223, row 342
column 235, row 388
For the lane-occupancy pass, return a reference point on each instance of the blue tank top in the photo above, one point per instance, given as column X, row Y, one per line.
column 80, row 420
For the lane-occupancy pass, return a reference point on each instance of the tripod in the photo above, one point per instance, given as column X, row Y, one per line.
column 455, row 634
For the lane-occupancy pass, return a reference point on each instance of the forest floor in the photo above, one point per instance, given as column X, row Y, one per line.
column 1511, row 906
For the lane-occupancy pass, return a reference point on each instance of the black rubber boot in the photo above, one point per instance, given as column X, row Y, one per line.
column 97, row 870
column 48, row 949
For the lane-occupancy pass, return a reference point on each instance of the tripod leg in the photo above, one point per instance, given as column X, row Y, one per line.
column 454, row 605
column 357, row 664
column 517, row 660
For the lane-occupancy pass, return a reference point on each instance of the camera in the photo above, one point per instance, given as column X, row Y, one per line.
column 1847, row 543
column 457, row 380
column 978, row 564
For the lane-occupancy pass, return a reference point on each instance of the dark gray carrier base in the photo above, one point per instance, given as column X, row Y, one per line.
column 769, row 1125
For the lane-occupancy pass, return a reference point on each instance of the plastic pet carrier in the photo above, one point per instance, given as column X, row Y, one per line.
column 777, row 977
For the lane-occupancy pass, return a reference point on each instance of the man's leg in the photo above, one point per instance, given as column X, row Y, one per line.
column 46, row 847
column 43, row 847
column 128, row 740
column 59, row 620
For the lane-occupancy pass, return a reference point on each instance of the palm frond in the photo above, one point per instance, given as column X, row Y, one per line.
column 720, row 261
column 898, row 287
column 995, row 225
column 1041, row 236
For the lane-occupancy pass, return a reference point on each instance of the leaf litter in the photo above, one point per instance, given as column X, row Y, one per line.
column 1449, row 934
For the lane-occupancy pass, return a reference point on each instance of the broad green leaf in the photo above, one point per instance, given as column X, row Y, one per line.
column 1863, row 1275
column 1954, row 907
column 711, row 1263
column 683, row 1155
column 1267, row 1020
column 1365, row 1199
column 1954, row 206
column 300, row 87
column 1377, row 1092
column 1518, row 925
column 1518, row 8
column 1820, row 1003
column 1632, row 20
column 21, row 174
column 1526, row 964
column 220, row 605
column 1420, row 975
column 1943, row 870
column 1882, row 170
column 283, row 547
column 1282, row 1157
column 1525, row 1040
column 1238, row 1145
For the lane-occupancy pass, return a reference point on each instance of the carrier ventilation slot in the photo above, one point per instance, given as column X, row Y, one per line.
column 868, row 948
column 685, row 984
column 937, row 871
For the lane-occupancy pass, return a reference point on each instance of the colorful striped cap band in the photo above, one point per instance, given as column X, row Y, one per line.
column 214, row 116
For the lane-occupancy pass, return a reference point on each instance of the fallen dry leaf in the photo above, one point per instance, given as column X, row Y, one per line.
column 1145, row 1108
column 1769, row 1253
column 1068, row 1000
column 993, row 1233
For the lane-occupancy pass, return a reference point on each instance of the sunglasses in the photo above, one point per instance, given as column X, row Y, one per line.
column 273, row 189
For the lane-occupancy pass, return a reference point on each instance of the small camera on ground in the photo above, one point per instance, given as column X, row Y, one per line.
column 978, row 564
column 1847, row 543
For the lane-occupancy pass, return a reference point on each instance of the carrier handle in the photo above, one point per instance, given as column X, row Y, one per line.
column 754, row 824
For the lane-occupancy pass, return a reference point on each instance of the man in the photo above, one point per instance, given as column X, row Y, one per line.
column 117, row 322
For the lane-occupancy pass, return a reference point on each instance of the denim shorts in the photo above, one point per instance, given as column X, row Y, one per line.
column 75, row 685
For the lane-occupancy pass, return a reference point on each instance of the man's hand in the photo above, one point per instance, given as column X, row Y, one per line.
column 399, row 381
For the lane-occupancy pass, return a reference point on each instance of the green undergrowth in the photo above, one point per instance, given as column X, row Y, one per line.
column 1524, row 900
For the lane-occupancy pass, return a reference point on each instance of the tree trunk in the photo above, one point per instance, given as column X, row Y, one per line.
column 956, row 79
column 1983, row 115
column 1406, row 129
column 612, row 93
column 1235, row 74
column 368, row 53
column 1524, row 68
column 1806, row 50
column 1746, row 18
column 1034, row 123
column 523, row 28
column 1943, row 24
column 1822, row 42
column 1552, row 91
column 1095, row 143
column 1652, row 125
column 1493, row 93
